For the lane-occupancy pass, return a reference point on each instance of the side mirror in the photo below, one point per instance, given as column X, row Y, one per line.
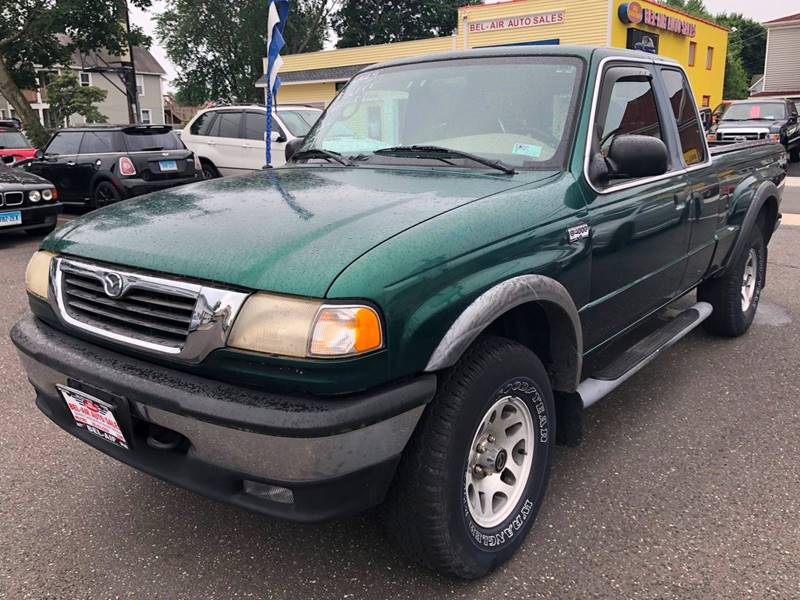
column 292, row 147
column 634, row 156
column 39, row 155
column 277, row 138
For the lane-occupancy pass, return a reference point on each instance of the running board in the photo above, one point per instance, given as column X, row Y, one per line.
column 641, row 354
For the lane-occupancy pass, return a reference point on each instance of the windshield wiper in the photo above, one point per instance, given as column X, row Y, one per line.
column 421, row 150
column 329, row 155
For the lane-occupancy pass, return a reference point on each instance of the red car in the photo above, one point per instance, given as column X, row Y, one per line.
column 13, row 143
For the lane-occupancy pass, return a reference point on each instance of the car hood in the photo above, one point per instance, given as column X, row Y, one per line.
column 753, row 124
column 17, row 177
column 285, row 230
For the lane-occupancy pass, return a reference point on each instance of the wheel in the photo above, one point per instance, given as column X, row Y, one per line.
column 104, row 194
column 209, row 170
column 475, row 472
column 44, row 230
column 735, row 295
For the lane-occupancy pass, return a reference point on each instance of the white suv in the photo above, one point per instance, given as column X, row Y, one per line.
column 230, row 139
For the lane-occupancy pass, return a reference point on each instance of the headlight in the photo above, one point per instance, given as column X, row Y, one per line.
column 34, row 195
column 47, row 195
column 305, row 328
column 37, row 275
column 775, row 137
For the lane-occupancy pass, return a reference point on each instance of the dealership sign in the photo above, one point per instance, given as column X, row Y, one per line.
column 633, row 13
column 555, row 17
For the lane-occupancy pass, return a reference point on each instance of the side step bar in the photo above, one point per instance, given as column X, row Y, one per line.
column 641, row 354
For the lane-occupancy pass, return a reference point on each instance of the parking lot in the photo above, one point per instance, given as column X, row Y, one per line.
column 686, row 486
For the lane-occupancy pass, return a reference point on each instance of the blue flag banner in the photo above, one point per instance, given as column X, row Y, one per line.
column 278, row 12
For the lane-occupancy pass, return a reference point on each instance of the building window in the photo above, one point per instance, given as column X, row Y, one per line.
column 2, row 113
column 706, row 101
column 692, row 53
column 140, row 85
column 85, row 79
column 709, row 58
column 147, row 117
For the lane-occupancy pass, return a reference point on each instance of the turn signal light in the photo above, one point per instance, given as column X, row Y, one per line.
column 126, row 167
column 345, row 331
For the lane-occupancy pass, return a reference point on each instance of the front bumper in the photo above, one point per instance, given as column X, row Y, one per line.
column 33, row 217
column 136, row 186
column 336, row 455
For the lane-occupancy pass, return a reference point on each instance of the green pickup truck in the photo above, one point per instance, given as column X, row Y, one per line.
column 466, row 251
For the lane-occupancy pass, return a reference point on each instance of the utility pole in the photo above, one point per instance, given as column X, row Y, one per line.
column 134, row 113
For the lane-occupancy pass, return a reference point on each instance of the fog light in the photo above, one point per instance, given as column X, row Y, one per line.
column 274, row 493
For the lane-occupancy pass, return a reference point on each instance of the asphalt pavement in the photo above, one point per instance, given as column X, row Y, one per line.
column 686, row 486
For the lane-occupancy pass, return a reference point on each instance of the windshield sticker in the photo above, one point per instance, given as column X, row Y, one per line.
column 527, row 150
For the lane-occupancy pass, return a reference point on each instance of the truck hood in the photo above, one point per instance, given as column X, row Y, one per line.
column 285, row 230
column 752, row 124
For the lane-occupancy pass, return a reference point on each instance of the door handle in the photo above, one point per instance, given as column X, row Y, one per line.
column 71, row 163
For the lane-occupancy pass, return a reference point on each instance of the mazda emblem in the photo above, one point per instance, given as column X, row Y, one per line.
column 113, row 284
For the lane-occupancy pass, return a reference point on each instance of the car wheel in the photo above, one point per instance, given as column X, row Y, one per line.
column 44, row 230
column 104, row 194
column 209, row 170
column 735, row 295
column 475, row 472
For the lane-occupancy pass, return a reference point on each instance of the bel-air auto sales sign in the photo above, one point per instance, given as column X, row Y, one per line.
column 554, row 17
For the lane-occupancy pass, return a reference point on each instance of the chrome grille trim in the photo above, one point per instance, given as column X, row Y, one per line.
column 154, row 314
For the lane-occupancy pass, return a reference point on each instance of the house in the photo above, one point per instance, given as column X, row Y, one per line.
column 104, row 71
column 782, row 68
column 175, row 113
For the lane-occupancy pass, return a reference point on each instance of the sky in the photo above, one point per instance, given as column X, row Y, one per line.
column 759, row 10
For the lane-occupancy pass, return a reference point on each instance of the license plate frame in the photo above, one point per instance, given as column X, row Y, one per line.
column 11, row 218
column 105, row 418
column 168, row 166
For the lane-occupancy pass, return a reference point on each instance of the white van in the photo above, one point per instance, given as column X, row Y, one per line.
column 230, row 139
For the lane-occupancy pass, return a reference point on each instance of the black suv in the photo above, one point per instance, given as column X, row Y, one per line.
column 99, row 165
column 773, row 119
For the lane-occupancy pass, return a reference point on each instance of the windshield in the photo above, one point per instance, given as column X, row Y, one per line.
column 299, row 122
column 152, row 141
column 518, row 110
column 768, row 111
column 13, row 139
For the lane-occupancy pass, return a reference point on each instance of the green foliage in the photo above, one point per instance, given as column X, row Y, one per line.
column 365, row 22
column 749, row 41
column 693, row 7
column 737, row 82
column 67, row 98
column 219, row 45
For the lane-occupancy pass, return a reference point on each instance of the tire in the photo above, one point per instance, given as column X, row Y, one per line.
column 732, row 315
column 44, row 230
column 209, row 170
column 105, row 194
column 429, row 511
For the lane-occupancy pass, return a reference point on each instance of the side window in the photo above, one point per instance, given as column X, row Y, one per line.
column 66, row 142
column 98, row 142
column 255, row 126
column 693, row 146
column 201, row 124
column 631, row 110
column 229, row 124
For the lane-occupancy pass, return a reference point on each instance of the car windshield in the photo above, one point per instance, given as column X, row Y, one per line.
column 142, row 141
column 747, row 111
column 518, row 110
column 13, row 139
column 299, row 122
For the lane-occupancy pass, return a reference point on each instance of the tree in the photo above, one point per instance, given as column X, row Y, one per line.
column 219, row 45
column 693, row 7
column 365, row 22
column 737, row 82
column 749, row 39
column 67, row 97
column 31, row 37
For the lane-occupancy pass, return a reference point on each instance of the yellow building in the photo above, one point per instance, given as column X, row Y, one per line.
column 701, row 46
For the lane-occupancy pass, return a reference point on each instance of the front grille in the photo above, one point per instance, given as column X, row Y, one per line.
column 158, row 317
column 732, row 137
column 14, row 198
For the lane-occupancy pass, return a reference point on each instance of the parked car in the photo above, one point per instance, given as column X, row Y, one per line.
column 27, row 202
column 101, row 164
column 13, row 143
column 230, row 139
column 412, row 309
column 773, row 119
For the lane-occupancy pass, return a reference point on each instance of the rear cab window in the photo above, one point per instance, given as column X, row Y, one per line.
column 693, row 146
column 64, row 142
column 151, row 140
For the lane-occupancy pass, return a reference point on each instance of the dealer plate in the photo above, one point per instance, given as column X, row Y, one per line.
column 168, row 166
column 93, row 415
column 8, row 219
